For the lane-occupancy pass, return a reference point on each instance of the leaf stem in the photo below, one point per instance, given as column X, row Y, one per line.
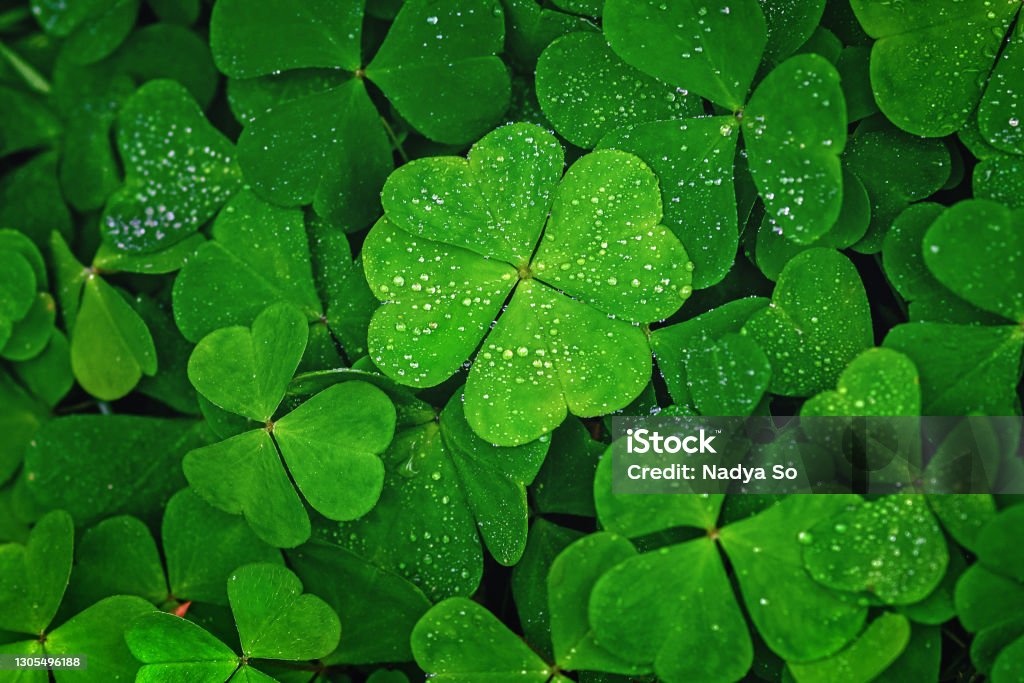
column 33, row 79
column 394, row 140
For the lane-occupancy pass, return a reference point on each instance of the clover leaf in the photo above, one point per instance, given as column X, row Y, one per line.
column 329, row 146
column 951, row 254
column 964, row 369
column 794, row 124
column 449, row 485
column 33, row 578
column 91, row 29
column 879, row 381
column 326, row 446
column 179, row 170
column 27, row 310
column 989, row 595
column 891, row 548
column 453, row 246
column 928, row 79
column 867, row 658
column 458, row 641
column 274, row 618
column 818, row 322
column 587, row 91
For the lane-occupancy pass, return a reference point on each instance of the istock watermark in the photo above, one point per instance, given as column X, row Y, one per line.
column 705, row 455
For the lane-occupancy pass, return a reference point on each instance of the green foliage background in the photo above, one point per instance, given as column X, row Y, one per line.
column 313, row 314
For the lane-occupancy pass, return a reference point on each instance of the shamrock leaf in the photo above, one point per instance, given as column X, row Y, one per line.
column 659, row 607
column 926, row 76
column 329, row 146
column 33, row 579
column 34, row 576
column 274, row 618
column 697, row 190
column 718, row 61
column 26, row 310
column 990, row 277
column 865, row 659
column 587, row 91
column 245, row 371
column 530, row 27
column 818, row 322
column 450, row 485
column 30, row 198
column 896, row 169
column 449, row 252
column 892, row 548
column 338, row 471
column 179, row 170
column 877, row 382
column 795, row 130
column 964, row 369
column 989, row 596
column 458, row 641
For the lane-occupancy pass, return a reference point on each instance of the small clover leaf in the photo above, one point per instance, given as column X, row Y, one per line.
column 817, row 322
column 795, row 130
column 91, row 29
column 33, row 577
column 864, row 660
column 587, row 91
column 274, row 618
column 896, row 169
column 990, row 277
column 891, row 548
column 27, row 310
column 179, row 170
column 328, row 446
column 718, row 61
column 879, row 381
column 247, row 371
column 602, row 245
column 328, row 145
column 926, row 76
column 458, row 641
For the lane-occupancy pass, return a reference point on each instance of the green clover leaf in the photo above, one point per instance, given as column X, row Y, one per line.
column 274, row 618
column 989, row 596
column 879, row 381
column 458, row 238
column 179, row 170
column 33, row 579
column 450, row 486
column 728, row 376
column 991, row 277
column 964, row 369
column 817, row 323
column 587, row 91
column 126, row 464
column 891, row 548
column 328, row 447
column 27, row 310
column 866, row 659
column 328, row 145
column 926, row 77
column 91, row 29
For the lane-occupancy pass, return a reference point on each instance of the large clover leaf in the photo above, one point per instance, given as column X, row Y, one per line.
column 462, row 236
column 328, row 446
column 274, row 618
column 328, row 146
column 932, row 63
